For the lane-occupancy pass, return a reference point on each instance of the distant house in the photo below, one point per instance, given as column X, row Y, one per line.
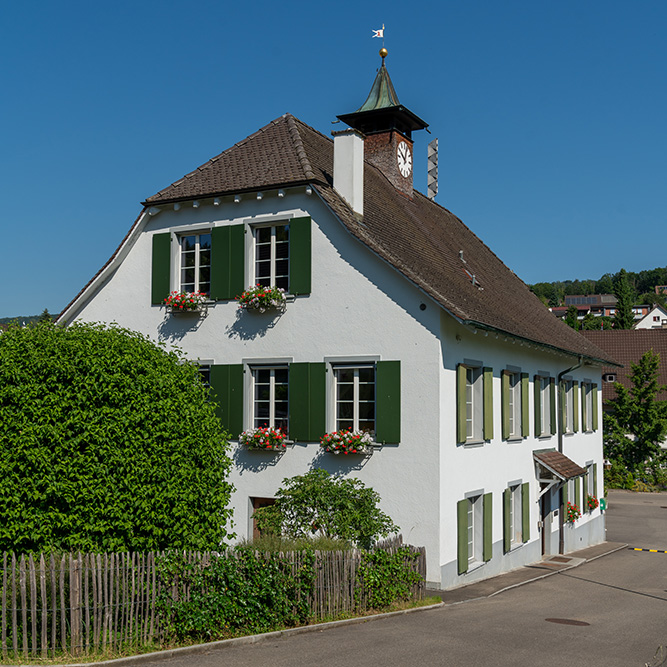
column 399, row 322
column 627, row 346
column 598, row 305
column 654, row 319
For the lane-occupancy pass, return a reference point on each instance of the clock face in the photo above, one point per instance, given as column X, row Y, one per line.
column 404, row 157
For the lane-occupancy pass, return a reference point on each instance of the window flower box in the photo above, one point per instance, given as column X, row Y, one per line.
column 261, row 299
column 272, row 439
column 186, row 302
column 346, row 442
column 572, row 512
column 592, row 502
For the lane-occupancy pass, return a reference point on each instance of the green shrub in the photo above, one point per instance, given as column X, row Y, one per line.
column 320, row 503
column 387, row 577
column 109, row 443
column 238, row 592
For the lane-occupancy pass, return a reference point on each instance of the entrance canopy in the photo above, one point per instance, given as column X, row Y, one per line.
column 556, row 466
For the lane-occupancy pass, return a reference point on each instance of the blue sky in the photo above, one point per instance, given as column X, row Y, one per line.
column 550, row 118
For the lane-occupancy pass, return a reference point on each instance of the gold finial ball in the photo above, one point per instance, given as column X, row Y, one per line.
column 383, row 52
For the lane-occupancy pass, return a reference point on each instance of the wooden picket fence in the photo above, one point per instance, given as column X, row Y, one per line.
column 87, row 604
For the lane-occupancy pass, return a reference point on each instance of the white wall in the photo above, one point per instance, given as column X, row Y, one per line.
column 493, row 465
column 358, row 306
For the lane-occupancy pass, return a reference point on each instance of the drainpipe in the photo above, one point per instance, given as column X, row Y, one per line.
column 559, row 422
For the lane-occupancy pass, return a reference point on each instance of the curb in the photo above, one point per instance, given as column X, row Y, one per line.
column 564, row 569
column 198, row 649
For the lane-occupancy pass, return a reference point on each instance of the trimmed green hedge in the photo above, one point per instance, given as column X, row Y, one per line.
column 109, row 443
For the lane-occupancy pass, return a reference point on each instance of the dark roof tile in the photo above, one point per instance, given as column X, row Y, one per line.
column 627, row 346
column 560, row 464
column 418, row 237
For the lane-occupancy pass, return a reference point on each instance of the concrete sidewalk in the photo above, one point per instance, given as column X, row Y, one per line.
column 524, row 575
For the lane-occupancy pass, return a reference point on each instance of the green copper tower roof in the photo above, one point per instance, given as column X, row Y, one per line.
column 382, row 111
column 382, row 93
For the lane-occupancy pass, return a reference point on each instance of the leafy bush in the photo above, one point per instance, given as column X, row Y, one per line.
column 108, row 443
column 319, row 503
column 387, row 577
column 239, row 591
column 618, row 476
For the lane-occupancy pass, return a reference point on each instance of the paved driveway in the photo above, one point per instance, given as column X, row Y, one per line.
column 618, row 604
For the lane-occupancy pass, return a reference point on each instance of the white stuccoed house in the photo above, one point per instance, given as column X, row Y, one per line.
column 483, row 407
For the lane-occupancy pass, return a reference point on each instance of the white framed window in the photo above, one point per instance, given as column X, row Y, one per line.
column 205, row 373
column 354, row 397
column 475, row 530
column 195, row 262
column 587, row 406
column 270, row 397
column 515, row 515
column 512, row 405
column 543, row 408
column 271, row 255
column 474, row 404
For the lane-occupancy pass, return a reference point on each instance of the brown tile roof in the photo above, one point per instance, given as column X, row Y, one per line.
column 418, row 237
column 627, row 346
column 559, row 464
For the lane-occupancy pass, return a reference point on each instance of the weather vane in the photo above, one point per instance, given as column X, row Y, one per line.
column 380, row 33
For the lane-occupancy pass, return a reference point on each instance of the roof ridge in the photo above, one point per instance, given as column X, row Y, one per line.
column 220, row 155
column 298, row 145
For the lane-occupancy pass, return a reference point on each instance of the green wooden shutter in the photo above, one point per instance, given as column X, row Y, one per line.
column 161, row 268
column 507, row 528
column 575, row 406
column 388, row 401
column 227, row 391
column 525, row 511
column 577, row 492
column 488, row 403
column 595, row 407
column 505, row 403
column 595, row 480
column 461, row 427
column 552, row 405
column 462, row 533
column 537, row 404
column 300, row 256
column 525, row 416
column 307, row 401
column 584, row 482
column 487, row 508
column 227, row 262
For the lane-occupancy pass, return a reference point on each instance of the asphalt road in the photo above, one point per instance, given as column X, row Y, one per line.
column 619, row 604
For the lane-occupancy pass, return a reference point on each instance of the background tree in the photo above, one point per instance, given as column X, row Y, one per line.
column 45, row 316
column 572, row 317
column 623, row 317
column 651, row 298
column 108, row 442
column 605, row 285
column 637, row 423
column 334, row 507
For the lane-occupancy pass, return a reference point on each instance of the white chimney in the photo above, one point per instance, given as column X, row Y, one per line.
column 349, row 167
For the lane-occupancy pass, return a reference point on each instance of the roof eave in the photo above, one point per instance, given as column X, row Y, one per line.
column 228, row 193
column 548, row 346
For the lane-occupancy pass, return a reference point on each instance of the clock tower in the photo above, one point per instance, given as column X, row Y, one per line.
column 387, row 126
